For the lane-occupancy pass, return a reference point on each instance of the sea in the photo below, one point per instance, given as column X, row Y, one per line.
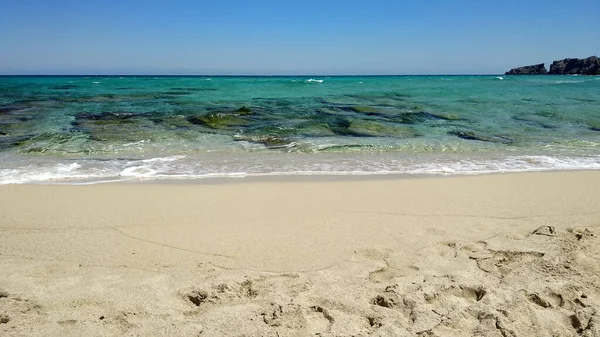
column 93, row 129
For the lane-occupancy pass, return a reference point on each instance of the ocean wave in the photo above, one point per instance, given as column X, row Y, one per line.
column 184, row 167
column 566, row 82
column 164, row 159
column 138, row 172
column 312, row 80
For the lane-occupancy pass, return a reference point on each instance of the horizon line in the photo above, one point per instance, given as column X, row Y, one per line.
column 238, row 75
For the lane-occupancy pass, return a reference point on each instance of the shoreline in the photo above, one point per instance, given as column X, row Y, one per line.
column 285, row 178
column 453, row 255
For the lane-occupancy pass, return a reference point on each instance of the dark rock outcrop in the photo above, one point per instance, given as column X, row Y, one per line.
column 536, row 69
column 587, row 66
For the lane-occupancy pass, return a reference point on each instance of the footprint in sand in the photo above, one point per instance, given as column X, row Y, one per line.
column 220, row 293
column 378, row 265
column 289, row 316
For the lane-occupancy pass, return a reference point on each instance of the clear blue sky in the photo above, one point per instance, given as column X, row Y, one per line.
column 292, row 37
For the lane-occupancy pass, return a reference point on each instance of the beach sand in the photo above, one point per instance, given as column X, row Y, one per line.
column 494, row 255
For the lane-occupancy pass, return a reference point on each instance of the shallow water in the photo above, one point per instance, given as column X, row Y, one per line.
column 88, row 129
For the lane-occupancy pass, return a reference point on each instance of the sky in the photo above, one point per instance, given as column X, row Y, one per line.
column 245, row 37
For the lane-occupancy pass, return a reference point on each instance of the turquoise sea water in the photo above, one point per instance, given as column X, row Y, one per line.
column 90, row 129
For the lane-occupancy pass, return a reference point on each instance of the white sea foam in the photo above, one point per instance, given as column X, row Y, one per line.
column 163, row 159
column 312, row 80
column 244, row 165
column 500, row 77
column 96, row 82
column 31, row 173
column 138, row 172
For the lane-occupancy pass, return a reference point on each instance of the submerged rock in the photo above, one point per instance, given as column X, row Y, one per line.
column 472, row 135
column 219, row 120
column 270, row 141
column 12, row 141
column 368, row 128
column 575, row 66
column 361, row 109
column 314, row 129
column 536, row 69
column 532, row 120
column 594, row 126
column 244, row 111
column 109, row 115
column 115, row 126
column 421, row 116
column 178, row 122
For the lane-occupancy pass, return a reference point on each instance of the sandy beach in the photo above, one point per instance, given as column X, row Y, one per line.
column 493, row 255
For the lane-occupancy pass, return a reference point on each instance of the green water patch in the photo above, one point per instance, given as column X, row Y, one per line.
column 53, row 142
column 120, row 133
column 109, row 98
column 18, row 124
column 547, row 114
column 378, row 99
column 115, row 126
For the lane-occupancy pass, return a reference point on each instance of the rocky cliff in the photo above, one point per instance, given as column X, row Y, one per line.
column 570, row 66
column 536, row 69
column 587, row 66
